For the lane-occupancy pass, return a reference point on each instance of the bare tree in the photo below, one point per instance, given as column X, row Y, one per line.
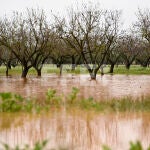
column 43, row 38
column 90, row 32
column 114, row 52
column 14, row 36
column 144, row 55
column 130, row 49
column 7, row 58
column 114, row 55
column 142, row 27
column 27, row 37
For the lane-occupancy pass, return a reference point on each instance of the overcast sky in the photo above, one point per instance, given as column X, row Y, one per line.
column 129, row 7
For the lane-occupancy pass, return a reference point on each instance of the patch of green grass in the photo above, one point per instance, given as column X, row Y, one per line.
column 134, row 69
column 16, row 71
column 66, row 69
column 47, row 68
column 50, row 68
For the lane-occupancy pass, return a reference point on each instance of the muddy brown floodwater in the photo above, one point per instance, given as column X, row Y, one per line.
column 105, row 87
column 77, row 129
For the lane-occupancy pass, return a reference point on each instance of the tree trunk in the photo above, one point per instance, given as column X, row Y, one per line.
column 73, row 63
column 61, row 67
column 9, row 64
column 128, row 66
column 38, row 72
column 73, row 67
column 102, row 70
column 144, row 65
column 93, row 74
column 111, row 68
column 7, row 71
column 24, row 72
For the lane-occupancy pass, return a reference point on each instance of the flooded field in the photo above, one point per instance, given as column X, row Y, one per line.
column 105, row 87
column 76, row 130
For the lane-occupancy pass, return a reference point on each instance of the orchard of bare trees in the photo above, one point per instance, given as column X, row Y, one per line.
column 89, row 36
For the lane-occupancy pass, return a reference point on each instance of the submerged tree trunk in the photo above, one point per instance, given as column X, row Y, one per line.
column 93, row 73
column 102, row 70
column 24, row 72
column 112, row 68
column 8, row 66
column 7, row 71
column 93, row 76
column 39, row 72
column 61, row 67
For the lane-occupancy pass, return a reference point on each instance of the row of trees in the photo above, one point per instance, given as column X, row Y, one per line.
column 88, row 35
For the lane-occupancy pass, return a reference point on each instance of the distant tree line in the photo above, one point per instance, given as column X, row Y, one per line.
column 88, row 35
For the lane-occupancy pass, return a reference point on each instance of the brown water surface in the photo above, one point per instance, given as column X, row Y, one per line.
column 76, row 130
column 105, row 87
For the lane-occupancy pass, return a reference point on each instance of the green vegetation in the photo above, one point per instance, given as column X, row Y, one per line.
column 16, row 71
column 72, row 40
column 133, row 146
column 13, row 103
column 135, row 70
column 42, row 145
column 37, row 146
column 121, row 105
column 48, row 69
